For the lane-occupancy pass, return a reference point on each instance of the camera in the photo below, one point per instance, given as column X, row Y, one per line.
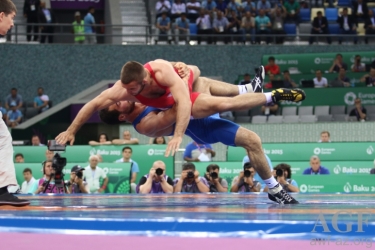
column 79, row 174
column 214, row 175
column 190, row 174
column 159, row 171
column 247, row 173
column 279, row 172
column 58, row 162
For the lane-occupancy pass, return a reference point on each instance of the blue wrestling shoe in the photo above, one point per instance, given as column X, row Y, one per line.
column 257, row 82
column 279, row 195
column 292, row 95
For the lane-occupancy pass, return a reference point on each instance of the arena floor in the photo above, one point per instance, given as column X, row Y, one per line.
column 217, row 221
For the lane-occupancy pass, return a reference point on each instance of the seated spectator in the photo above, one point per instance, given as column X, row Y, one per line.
column 245, row 181
column 134, row 169
column 30, row 185
column 18, row 158
column 156, row 181
column 217, row 184
column 265, row 6
column 163, row 28
column 278, row 15
column 198, row 152
column 35, row 141
column 319, row 27
column 162, row 6
column 103, row 140
column 233, row 6
column 369, row 79
column 343, row 78
column 47, row 184
column 249, row 6
column 204, row 26
column 285, row 179
column 272, row 68
column 292, row 11
column 93, row 174
column 193, row 7
column 337, row 64
column 49, row 155
column 359, row 111
column 288, row 82
column 246, row 79
column 190, row 181
column 256, row 176
column 358, row 66
column 324, row 137
column 178, row 8
column 209, row 6
column 263, row 26
column 248, row 25
column 270, row 109
column 77, row 185
column 319, row 81
column 182, row 28
column 159, row 140
column 221, row 5
column 315, row 167
column 13, row 98
column 127, row 139
column 234, row 28
column 3, row 112
column 369, row 25
column 14, row 116
column 360, row 10
column 41, row 101
column 220, row 27
column 348, row 25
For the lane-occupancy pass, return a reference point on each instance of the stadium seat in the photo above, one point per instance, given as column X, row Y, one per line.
column 338, row 110
column 304, row 31
column 324, row 118
column 305, row 15
column 275, row 119
column 290, row 28
column 291, row 119
column 256, row 111
column 314, row 11
column 331, row 14
column 361, row 29
column 307, row 118
column 306, row 110
column 289, row 111
column 259, row 119
column 241, row 113
column 242, row 119
column 370, row 109
column 334, row 28
column 339, row 118
column 193, row 29
column 349, row 108
column 321, row 110
column 31, row 112
column 344, row 3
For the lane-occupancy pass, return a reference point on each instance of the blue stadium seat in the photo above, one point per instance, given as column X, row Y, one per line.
column 334, row 28
column 305, row 15
column 193, row 29
column 290, row 28
column 331, row 14
column 344, row 3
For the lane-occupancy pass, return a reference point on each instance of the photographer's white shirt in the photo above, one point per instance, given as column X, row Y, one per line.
column 93, row 177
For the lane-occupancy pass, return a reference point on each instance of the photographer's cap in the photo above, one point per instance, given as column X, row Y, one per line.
column 76, row 169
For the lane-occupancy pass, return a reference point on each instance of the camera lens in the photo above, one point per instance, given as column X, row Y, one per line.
column 247, row 173
column 190, row 175
column 279, row 172
column 79, row 174
column 214, row 175
column 159, row 171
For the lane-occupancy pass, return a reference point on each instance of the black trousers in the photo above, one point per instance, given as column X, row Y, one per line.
column 46, row 34
column 369, row 31
column 35, row 28
column 314, row 32
column 204, row 32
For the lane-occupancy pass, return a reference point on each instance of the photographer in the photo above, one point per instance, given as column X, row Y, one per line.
column 47, row 183
column 283, row 175
column 190, row 182
column 245, row 181
column 156, row 181
column 77, row 184
column 216, row 183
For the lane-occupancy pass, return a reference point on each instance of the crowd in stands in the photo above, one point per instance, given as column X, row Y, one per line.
column 15, row 108
column 233, row 20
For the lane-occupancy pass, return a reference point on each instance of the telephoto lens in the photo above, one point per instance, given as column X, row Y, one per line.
column 190, row 175
column 214, row 175
column 279, row 172
column 159, row 171
column 247, row 173
column 79, row 174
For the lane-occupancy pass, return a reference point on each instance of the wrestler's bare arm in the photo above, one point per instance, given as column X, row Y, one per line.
column 158, row 124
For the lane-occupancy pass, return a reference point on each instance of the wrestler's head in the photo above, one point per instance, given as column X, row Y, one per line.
column 133, row 77
column 7, row 13
column 117, row 113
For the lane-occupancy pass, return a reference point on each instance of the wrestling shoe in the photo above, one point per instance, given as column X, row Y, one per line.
column 257, row 83
column 279, row 195
column 9, row 199
column 292, row 95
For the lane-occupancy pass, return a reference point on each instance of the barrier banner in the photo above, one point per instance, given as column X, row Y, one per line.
column 77, row 4
column 118, row 174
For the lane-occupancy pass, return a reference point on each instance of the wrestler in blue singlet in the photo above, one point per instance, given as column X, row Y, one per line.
column 207, row 130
